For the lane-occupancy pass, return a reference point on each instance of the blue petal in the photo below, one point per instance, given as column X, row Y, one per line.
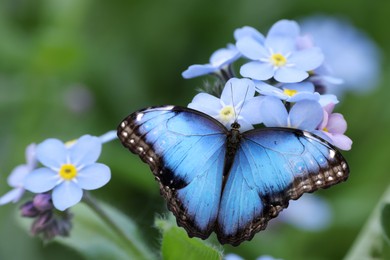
column 300, row 87
column 237, row 91
column 282, row 37
column 268, row 90
column 308, row 59
column 273, row 112
column 327, row 99
column 251, row 48
column 257, row 70
column 306, row 115
column 248, row 31
column 31, row 152
column 66, row 195
column 41, row 180
column 290, row 75
column 94, row 176
column 52, row 153
column 304, row 96
column 282, row 45
column 244, row 125
column 284, row 28
column 251, row 110
column 13, row 195
column 224, row 56
column 206, row 103
column 109, row 136
column 198, row 70
column 85, row 151
column 16, row 178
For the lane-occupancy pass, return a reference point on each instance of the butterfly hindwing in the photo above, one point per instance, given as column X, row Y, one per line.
column 272, row 166
column 185, row 150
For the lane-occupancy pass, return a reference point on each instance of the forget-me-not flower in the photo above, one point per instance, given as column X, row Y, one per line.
column 17, row 176
column 333, row 127
column 237, row 104
column 304, row 115
column 69, row 169
column 279, row 57
column 218, row 60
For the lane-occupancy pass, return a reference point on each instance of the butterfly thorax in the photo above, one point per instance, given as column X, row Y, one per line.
column 232, row 143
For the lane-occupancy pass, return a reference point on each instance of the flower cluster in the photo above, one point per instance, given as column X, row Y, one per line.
column 282, row 84
column 67, row 169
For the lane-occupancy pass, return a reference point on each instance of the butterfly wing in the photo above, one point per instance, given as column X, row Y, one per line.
column 272, row 166
column 185, row 149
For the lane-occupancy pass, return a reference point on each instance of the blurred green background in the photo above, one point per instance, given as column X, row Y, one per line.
column 73, row 67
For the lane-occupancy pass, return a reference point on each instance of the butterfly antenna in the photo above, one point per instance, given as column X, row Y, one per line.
column 239, row 112
column 234, row 107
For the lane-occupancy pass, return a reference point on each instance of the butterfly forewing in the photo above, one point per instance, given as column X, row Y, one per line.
column 185, row 151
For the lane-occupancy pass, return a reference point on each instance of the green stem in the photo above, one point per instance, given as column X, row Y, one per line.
column 370, row 237
column 91, row 202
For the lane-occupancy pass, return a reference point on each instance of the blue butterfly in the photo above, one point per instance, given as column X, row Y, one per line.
column 224, row 181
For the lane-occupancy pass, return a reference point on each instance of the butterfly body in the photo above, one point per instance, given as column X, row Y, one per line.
column 224, row 181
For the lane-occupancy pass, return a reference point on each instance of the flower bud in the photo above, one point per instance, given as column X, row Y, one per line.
column 43, row 202
column 28, row 210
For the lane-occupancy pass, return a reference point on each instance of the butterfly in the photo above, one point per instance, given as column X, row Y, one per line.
column 224, row 181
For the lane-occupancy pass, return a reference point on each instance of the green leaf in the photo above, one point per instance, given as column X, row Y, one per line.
column 94, row 239
column 177, row 245
column 385, row 220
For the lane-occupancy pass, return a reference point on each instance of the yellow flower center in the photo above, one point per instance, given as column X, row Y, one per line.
column 325, row 129
column 227, row 114
column 68, row 172
column 278, row 60
column 70, row 143
column 290, row 92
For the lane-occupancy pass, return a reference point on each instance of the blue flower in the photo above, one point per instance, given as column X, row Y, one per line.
column 17, row 176
column 304, row 115
column 70, row 168
column 310, row 212
column 237, row 103
column 218, row 60
column 278, row 57
column 349, row 53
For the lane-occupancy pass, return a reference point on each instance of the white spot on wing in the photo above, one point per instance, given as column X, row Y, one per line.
column 167, row 108
column 139, row 116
